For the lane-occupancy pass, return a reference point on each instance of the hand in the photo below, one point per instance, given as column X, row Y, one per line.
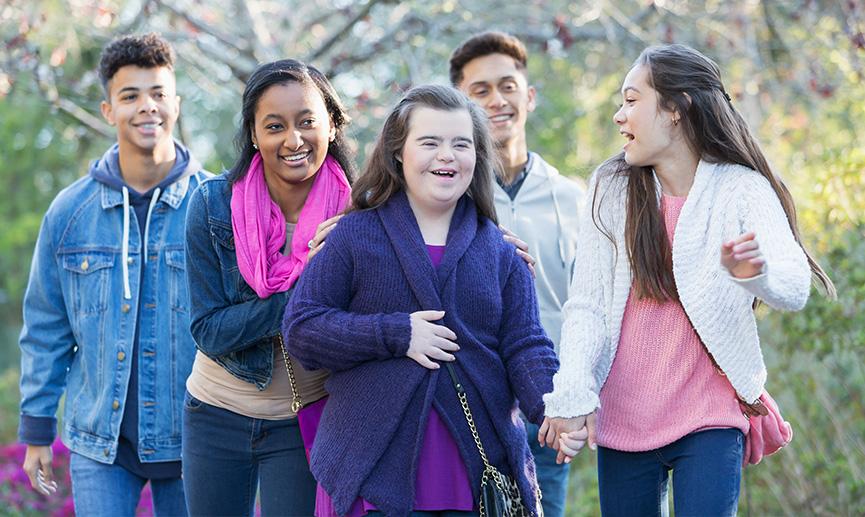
column 317, row 242
column 430, row 341
column 568, row 435
column 522, row 248
column 37, row 465
column 742, row 256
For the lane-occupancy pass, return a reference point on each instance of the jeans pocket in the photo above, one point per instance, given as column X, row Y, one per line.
column 191, row 403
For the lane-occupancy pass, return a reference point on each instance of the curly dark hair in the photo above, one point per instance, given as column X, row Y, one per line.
column 146, row 51
column 484, row 44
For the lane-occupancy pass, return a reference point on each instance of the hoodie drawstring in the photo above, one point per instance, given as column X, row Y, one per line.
column 153, row 201
column 127, row 292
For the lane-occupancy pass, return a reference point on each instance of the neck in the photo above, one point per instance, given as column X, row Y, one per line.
column 513, row 156
column 290, row 197
column 143, row 170
column 433, row 223
column 676, row 174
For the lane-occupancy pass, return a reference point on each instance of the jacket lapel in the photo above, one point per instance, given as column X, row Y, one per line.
column 463, row 227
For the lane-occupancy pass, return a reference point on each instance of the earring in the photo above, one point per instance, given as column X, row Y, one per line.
column 255, row 146
column 675, row 122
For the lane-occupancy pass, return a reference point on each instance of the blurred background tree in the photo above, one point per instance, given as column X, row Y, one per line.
column 794, row 69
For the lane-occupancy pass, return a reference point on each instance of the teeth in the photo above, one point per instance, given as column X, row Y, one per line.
column 296, row 157
column 449, row 174
column 500, row 118
column 149, row 125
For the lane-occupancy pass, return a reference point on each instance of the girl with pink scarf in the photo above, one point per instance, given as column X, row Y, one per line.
column 250, row 233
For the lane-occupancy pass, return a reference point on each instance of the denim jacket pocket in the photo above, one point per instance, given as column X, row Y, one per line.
column 89, row 275
column 175, row 259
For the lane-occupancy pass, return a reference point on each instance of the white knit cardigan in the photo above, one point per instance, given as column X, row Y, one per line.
column 725, row 201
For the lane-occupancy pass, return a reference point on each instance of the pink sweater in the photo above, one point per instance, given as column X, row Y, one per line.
column 662, row 384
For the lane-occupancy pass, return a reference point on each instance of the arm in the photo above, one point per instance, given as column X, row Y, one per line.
column 321, row 333
column 785, row 281
column 525, row 349
column 585, row 331
column 218, row 325
column 46, row 343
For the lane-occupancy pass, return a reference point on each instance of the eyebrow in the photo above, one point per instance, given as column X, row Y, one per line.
column 440, row 139
column 276, row 115
column 498, row 80
column 626, row 88
column 136, row 89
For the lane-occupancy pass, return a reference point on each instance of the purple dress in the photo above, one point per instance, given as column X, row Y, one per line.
column 442, row 481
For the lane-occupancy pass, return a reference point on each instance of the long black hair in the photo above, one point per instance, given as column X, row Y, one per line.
column 278, row 73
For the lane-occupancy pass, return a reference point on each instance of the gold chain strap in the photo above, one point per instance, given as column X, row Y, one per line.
column 296, row 403
column 489, row 470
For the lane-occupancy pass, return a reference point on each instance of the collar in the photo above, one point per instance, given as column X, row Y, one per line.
column 172, row 196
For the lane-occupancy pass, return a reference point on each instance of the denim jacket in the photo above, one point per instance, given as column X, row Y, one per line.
column 230, row 323
column 80, row 321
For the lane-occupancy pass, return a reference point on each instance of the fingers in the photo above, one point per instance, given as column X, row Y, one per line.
column 424, row 361
column 591, row 427
column 44, row 486
column 569, row 447
column 314, row 251
column 328, row 224
column 442, row 331
column 542, row 431
column 429, row 315
column 445, row 344
column 440, row 355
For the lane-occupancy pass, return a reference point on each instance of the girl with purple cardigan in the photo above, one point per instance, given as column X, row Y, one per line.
column 418, row 274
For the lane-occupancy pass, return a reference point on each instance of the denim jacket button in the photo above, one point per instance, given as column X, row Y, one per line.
column 106, row 452
column 129, row 261
column 85, row 265
column 121, row 356
column 115, row 405
column 124, row 308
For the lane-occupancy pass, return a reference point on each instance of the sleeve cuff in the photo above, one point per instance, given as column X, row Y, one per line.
column 37, row 430
column 396, row 333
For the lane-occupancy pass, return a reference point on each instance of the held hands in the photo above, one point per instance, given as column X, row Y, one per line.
column 37, row 465
column 742, row 256
column 522, row 248
column 568, row 435
column 317, row 243
column 430, row 341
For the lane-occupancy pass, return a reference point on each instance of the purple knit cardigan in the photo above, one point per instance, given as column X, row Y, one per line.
column 349, row 313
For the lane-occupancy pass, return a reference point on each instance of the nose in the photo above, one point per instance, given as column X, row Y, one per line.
column 148, row 104
column 445, row 154
column 293, row 140
column 496, row 99
column 619, row 116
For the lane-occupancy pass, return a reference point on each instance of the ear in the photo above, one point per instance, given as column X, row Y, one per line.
column 332, row 135
column 107, row 112
column 532, row 93
column 177, row 104
column 397, row 157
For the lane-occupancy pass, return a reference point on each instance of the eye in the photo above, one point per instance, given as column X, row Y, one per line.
column 463, row 145
column 161, row 95
column 128, row 97
column 480, row 92
column 310, row 122
column 273, row 127
column 509, row 87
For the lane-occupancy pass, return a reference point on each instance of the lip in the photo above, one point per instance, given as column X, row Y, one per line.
column 628, row 136
column 296, row 158
column 500, row 119
column 442, row 172
column 148, row 128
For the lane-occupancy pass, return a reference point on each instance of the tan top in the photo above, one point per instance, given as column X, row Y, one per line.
column 212, row 384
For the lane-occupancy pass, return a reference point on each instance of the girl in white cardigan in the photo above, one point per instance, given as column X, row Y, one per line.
column 685, row 230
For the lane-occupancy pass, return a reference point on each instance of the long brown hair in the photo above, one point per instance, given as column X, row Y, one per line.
column 383, row 177
column 689, row 83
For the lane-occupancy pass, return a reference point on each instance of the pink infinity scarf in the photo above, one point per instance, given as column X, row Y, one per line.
column 259, row 226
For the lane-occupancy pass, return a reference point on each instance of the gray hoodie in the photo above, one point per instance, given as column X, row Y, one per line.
column 545, row 214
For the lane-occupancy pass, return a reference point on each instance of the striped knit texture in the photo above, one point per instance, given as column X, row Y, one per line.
column 725, row 201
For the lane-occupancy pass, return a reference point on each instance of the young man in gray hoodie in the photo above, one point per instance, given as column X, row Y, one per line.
column 106, row 311
column 532, row 200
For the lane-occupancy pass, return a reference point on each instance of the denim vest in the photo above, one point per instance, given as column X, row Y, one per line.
column 80, row 322
column 230, row 323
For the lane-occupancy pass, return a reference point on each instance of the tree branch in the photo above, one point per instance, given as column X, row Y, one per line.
column 44, row 77
column 343, row 31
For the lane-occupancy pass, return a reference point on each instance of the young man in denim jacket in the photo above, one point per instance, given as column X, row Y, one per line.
column 532, row 200
column 106, row 317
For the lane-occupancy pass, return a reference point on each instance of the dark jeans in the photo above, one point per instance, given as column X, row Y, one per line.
column 227, row 456
column 707, row 469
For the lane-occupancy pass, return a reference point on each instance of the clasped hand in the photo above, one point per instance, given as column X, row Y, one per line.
column 568, row 435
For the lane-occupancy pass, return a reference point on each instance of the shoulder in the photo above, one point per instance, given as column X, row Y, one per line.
column 732, row 179
column 357, row 227
column 82, row 192
column 210, row 183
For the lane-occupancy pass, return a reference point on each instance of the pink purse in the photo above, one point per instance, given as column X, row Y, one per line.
column 769, row 431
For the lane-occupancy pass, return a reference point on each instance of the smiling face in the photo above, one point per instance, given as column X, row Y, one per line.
column 143, row 105
column 652, row 136
column 438, row 158
column 496, row 84
column 292, row 131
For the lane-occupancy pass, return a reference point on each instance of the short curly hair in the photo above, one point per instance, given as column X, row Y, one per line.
column 484, row 44
column 145, row 51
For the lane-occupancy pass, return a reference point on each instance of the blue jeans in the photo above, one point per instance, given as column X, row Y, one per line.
column 707, row 469
column 552, row 477
column 227, row 456
column 100, row 489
